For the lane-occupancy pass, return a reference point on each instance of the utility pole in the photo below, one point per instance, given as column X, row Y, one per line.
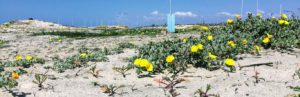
column 257, row 10
column 280, row 10
column 242, row 7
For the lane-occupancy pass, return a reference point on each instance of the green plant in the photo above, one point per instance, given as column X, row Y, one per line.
column 250, row 35
column 170, row 84
column 126, row 45
column 39, row 80
column 102, row 33
column 122, row 70
column 8, row 80
column 94, row 71
column 298, row 73
column 204, row 93
column 23, row 62
column 85, row 55
column 111, row 90
column 297, row 89
column 2, row 42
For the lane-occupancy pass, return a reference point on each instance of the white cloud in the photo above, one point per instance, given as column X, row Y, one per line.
column 225, row 13
column 153, row 18
column 154, row 12
column 185, row 14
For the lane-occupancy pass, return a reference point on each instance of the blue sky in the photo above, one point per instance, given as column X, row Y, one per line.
column 135, row 12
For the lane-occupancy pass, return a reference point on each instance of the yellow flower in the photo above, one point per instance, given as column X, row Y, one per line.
column 170, row 58
column 15, row 75
column 244, row 41
column 200, row 46
column 144, row 63
column 83, row 55
column 210, row 38
column 286, row 23
column 89, row 55
column 229, row 21
column 137, row 61
column 259, row 14
column 204, row 28
column 184, row 40
column 149, row 67
column 19, row 57
column 266, row 40
column 194, row 49
column 269, row 35
column 257, row 48
column 273, row 17
column 211, row 56
column 281, row 22
column 29, row 58
column 229, row 62
column 231, row 44
column 237, row 16
column 283, row 16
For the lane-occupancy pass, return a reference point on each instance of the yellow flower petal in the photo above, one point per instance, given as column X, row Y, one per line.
column 229, row 62
column 29, row 58
column 15, row 75
column 170, row 58
column 194, row 49
column 19, row 57
column 229, row 21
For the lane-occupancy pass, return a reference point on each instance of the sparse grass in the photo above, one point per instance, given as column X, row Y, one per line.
column 101, row 33
column 124, row 45
column 204, row 93
column 39, row 80
column 94, row 71
column 111, row 90
column 85, row 55
column 122, row 70
column 2, row 42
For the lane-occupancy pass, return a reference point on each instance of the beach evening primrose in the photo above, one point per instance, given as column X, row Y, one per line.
column 283, row 16
column 170, row 58
column 137, row 61
column 257, row 48
column 244, row 41
column 266, row 40
column 15, row 75
column 83, row 55
column 144, row 63
column 184, row 40
column 237, row 16
column 200, row 46
column 229, row 62
column 204, row 28
column 210, row 37
column 286, row 23
column 269, row 35
column 149, row 67
column 211, row 56
column 281, row 22
column 231, row 44
column 19, row 57
column 29, row 58
column 229, row 21
column 259, row 14
column 194, row 49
